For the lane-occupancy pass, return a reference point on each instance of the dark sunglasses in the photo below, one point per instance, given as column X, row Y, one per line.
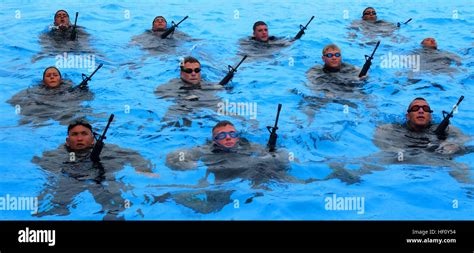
column 189, row 71
column 223, row 135
column 415, row 108
column 370, row 12
column 330, row 55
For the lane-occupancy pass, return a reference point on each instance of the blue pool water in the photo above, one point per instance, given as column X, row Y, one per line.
column 130, row 75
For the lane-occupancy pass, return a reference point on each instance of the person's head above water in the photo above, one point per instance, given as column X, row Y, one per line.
column 429, row 43
column 191, row 71
column 369, row 14
column 79, row 136
column 260, row 31
column 159, row 24
column 52, row 77
column 224, row 134
column 419, row 115
column 332, row 57
column 61, row 19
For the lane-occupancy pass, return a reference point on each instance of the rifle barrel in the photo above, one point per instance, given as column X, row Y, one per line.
column 111, row 118
column 273, row 135
column 238, row 65
column 454, row 108
column 459, row 101
column 309, row 22
column 301, row 31
column 278, row 116
column 88, row 78
column 368, row 61
column 375, row 49
column 172, row 28
column 230, row 73
column 99, row 145
column 181, row 21
column 75, row 20
column 73, row 33
column 93, row 73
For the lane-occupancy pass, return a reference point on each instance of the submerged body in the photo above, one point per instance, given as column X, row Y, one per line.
column 188, row 99
column 72, row 172
column 155, row 45
column 399, row 146
column 56, row 42
column 39, row 103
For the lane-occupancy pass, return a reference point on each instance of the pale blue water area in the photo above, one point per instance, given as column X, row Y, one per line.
column 130, row 75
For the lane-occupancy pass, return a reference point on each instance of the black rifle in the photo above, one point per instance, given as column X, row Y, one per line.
column 231, row 72
column 302, row 28
column 273, row 135
column 406, row 22
column 99, row 144
column 74, row 33
column 172, row 28
column 441, row 129
column 86, row 79
column 368, row 61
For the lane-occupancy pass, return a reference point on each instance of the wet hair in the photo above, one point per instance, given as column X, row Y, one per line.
column 157, row 18
column 59, row 12
column 418, row 98
column 222, row 123
column 367, row 9
column 330, row 46
column 257, row 24
column 79, row 123
column 427, row 39
column 190, row 59
column 51, row 67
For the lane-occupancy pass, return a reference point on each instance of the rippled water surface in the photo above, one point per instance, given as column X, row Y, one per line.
column 320, row 140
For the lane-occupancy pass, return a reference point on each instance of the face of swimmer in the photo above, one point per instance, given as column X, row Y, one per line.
column 419, row 115
column 79, row 138
column 332, row 58
column 52, row 77
column 61, row 19
column 260, row 33
column 225, row 136
column 369, row 14
column 191, row 73
column 429, row 43
column 159, row 24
